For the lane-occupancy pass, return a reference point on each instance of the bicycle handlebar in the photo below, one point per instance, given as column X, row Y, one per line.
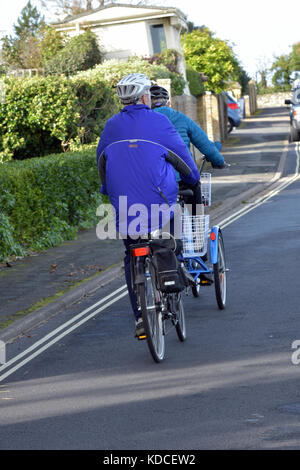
column 224, row 165
column 185, row 192
column 178, row 163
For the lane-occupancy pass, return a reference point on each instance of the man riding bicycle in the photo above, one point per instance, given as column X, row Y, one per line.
column 132, row 157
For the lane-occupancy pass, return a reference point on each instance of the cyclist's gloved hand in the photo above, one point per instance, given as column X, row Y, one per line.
column 224, row 165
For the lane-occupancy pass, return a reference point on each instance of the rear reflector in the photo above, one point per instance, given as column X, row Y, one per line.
column 232, row 106
column 143, row 251
column 213, row 236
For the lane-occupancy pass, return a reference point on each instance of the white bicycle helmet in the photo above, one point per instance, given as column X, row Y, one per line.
column 132, row 87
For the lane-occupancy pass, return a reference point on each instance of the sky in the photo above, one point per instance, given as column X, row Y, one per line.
column 257, row 30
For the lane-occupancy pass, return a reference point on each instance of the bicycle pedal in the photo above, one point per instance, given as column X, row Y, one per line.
column 142, row 337
column 205, row 282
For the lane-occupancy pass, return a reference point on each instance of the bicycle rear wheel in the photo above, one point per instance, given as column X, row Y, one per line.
column 152, row 317
column 220, row 274
column 180, row 324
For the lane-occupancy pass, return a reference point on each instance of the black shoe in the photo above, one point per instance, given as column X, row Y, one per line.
column 139, row 331
column 205, row 280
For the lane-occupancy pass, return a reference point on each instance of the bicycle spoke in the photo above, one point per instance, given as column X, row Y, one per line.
column 151, row 317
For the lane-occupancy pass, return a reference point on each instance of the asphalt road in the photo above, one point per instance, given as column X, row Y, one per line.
column 231, row 385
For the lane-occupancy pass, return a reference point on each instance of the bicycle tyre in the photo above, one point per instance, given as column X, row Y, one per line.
column 220, row 274
column 294, row 134
column 180, row 325
column 152, row 318
column 196, row 290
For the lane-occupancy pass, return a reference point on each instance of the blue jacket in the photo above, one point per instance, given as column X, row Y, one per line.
column 134, row 144
column 192, row 133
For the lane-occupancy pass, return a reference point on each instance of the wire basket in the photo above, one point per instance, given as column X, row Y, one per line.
column 205, row 181
column 194, row 235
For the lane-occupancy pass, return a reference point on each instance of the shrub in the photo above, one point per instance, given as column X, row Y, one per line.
column 42, row 115
column 273, row 89
column 96, row 102
column 46, row 200
column 211, row 56
column 196, row 85
column 169, row 58
column 79, row 53
column 37, row 115
column 113, row 70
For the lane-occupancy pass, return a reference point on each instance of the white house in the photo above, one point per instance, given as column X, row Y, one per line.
column 127, row 30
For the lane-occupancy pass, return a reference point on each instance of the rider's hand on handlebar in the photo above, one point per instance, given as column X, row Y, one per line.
column 224, row 165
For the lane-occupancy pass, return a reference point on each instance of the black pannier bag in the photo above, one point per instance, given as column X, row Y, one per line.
column 169, row 276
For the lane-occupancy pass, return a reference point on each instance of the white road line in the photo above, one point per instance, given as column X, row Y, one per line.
column 65, row 325
column 224, row 223
column 241, row 212
column 46, row 346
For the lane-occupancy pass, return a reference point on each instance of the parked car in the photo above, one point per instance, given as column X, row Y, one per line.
column 294, row 114
column 233, row 112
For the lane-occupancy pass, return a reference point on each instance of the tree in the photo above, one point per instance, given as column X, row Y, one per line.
column 295, row 56
column 69, row 7
column 52, row 42
column 211, row 56
column 282, row 69
column 284, row 66
column 29, row 22
column 242, row 77
column 79, row 53
column 263, row 69
column 22, row 50
column 191, row 27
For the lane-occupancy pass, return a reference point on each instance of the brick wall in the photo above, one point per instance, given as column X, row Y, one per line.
column 208, row 111
column 273, row 100
column 186, row 104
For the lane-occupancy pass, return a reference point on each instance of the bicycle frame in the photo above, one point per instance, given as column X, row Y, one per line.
column 213, row 256
column 156, row 303
column 195, row 263
column 189, row 262
column 140, row 253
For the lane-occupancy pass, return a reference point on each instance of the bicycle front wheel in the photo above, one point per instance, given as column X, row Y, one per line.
column 220, row 274
column 152, row 317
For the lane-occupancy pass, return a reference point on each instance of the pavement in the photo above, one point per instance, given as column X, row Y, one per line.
column 37, row 287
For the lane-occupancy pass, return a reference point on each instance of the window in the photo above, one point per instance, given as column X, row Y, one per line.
column 158, row 38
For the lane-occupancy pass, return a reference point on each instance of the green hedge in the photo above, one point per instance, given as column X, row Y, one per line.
column 196, row 85
column 111, row 71
column 273, row 89
column 42, row 115
column 44, row 201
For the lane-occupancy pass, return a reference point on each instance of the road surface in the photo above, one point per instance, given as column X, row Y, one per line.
column 234, row 384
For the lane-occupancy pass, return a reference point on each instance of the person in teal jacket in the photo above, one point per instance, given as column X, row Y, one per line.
column 188, row 130
column 190, row 133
